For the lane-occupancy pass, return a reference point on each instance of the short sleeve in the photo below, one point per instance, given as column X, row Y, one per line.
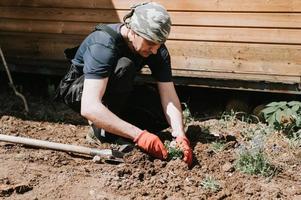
column 160, row 65
column 98, row 61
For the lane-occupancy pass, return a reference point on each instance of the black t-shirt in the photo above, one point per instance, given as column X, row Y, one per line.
column 97, row 56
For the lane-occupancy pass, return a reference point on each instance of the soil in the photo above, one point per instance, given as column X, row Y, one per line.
column 31, row 173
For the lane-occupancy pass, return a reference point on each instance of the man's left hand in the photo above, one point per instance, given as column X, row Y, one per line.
column 184, row 144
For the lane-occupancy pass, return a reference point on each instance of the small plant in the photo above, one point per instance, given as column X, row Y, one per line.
column 229, row 116
column 217, row 146
column 252, row 160
column 295, row 140
column 209, row 183
column 187, row 114
column 285, row 116
column 250, row 132
column 173, row 149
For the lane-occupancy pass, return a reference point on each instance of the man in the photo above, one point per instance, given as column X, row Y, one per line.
column 101, row 77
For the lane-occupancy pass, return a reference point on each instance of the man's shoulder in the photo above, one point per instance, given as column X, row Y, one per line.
column 104, row 38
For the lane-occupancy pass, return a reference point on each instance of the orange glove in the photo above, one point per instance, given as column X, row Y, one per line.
column 184, row 144
column 151, row 144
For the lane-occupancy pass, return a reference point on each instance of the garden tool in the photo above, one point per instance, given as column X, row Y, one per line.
column 108, row 155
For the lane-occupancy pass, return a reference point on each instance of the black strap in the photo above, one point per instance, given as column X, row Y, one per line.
column 70, row 52
column 109, row 30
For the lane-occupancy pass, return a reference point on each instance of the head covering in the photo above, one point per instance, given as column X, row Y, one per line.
column 149, row 20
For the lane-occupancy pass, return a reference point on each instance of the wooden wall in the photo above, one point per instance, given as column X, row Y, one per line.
column 256, row 40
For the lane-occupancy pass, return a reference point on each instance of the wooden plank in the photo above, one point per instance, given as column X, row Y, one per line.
column 192, row 56
column 231, row 76
column 38, row 46
column 236, row 57
column 252, row 35
column 238, row 76
column 255, row 35
column 47, row 67
column 282, row 20
column 56, row 67
column 193, row 5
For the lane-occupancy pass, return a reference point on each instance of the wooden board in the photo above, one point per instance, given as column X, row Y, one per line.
column 180, row 5
column 252, row 35
column 222, row 19
column 243, row 40
column 196, row 57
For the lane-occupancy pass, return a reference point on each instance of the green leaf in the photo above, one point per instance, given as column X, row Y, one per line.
column 294, row 103
column 296, row 107
column 278, row 116
column 269, row 110
column 271, row 120
column 273, row 104
column 289, row 112
column 282, row 103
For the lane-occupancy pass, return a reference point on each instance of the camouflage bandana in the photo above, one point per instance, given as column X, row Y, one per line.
column 149, row 20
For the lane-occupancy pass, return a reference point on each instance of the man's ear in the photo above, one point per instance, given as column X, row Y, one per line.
column 132, row 35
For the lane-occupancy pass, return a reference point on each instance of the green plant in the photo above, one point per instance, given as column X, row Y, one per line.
column 217, row 146
column 174, row 151
column 229, row 116
column 209, row 183
column 249, row 132
column 285, row 116
column 253, row 161
column 295, row 140
column 187, row 114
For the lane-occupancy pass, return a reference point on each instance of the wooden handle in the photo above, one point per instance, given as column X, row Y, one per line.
column 56, row 146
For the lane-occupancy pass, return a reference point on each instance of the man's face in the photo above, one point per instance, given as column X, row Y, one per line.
column 144, row 47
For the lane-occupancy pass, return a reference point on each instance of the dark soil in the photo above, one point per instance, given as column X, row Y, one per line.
column 31, row 173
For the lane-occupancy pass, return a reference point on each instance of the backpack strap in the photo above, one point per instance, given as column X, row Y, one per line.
column 70, row 52
column 102, row 27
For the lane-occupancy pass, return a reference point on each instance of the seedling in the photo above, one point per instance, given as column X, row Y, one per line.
column 295, row 140
column 187, row 114
column 253, row 161
column 173, row 149
column 217, row 147
column 209, row 183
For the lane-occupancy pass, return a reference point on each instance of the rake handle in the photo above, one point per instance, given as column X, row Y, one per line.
column 56, row 146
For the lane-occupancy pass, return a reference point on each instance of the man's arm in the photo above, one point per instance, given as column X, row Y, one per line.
column 171, row 107
column 173, row 111
column 93, row 110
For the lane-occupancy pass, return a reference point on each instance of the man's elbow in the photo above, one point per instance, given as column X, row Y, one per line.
column 86, row 111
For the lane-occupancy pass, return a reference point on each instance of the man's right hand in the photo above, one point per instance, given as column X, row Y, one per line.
column 151, row 144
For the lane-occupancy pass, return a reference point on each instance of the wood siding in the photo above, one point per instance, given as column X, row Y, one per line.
column 258, row 40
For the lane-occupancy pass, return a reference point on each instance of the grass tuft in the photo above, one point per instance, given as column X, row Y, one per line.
column 254, row 161
column 217, row 147
column 209, row 183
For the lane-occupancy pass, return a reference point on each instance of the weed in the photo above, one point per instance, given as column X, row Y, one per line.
column 187, row 114
column 294, row 140
column 174, row 151
column 253, row 160
column 229, row 116
column 209, row 183
column 217, row 146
